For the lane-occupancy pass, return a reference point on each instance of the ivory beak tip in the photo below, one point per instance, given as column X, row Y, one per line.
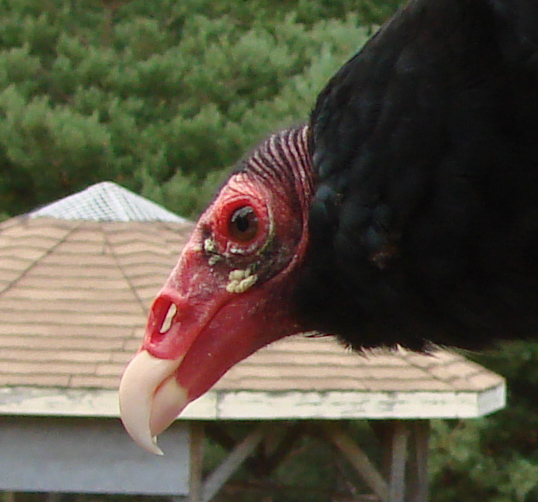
column 155, row 448
column 144, row 412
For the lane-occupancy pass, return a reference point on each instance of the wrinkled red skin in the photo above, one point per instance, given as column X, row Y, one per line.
column 214, row 328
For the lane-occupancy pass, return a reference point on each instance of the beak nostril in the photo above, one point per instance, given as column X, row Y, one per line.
column 169, row 317
column 161, row 319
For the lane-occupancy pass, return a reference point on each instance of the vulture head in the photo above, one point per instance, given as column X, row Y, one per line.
column 229, row 294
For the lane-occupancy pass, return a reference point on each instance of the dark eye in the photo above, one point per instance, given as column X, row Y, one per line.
column 243, row 224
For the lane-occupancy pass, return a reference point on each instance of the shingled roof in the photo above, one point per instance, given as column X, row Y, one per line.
column 74, row 296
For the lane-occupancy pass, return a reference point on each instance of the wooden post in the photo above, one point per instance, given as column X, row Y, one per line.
column 418, row 477
column 398, row 464
column 196, row 461
column 358, row 459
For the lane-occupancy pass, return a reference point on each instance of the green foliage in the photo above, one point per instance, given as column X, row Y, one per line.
column 159, row 96
column 494, row 458
column 465, row 468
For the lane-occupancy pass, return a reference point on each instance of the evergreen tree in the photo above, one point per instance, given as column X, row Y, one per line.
column 159, row 96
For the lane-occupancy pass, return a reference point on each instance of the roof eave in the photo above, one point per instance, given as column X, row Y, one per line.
column 266, row 405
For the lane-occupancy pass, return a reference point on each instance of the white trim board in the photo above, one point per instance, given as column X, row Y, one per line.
column 257, row 405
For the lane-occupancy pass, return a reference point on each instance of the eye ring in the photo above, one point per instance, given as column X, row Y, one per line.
column 243, row 224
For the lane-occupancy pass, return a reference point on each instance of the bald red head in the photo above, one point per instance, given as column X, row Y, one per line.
column 229, row 294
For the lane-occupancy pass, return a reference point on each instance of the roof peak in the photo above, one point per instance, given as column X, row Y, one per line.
column 106, row 201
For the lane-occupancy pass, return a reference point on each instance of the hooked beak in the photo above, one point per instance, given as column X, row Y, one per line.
column 150, row 398
column 178, row 365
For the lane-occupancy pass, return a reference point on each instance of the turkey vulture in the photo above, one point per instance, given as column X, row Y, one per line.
column 405, row 212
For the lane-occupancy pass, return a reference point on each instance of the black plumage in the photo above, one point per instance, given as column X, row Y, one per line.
column 424, row 223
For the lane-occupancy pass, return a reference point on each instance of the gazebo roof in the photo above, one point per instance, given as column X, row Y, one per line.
column 106, row 201
column 74, row 295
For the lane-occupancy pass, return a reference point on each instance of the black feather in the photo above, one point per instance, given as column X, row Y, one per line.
column 424, row 224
